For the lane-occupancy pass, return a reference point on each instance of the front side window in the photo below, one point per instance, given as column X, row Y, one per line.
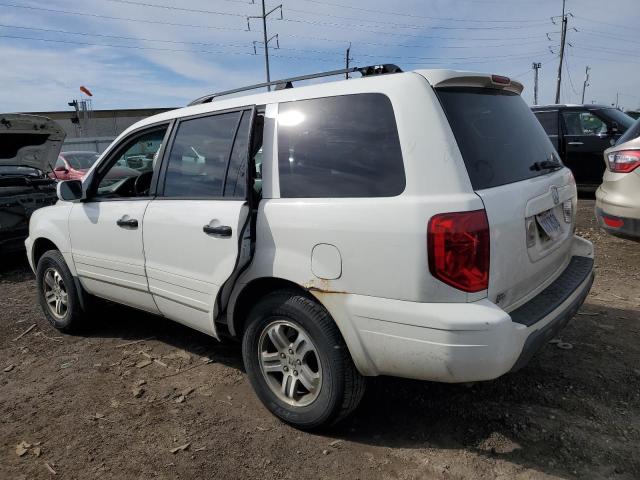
column 200, row 155
column 130, row 172
column 583, row 123
column 344, row 146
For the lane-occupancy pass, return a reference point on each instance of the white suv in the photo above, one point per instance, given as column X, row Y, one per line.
column 415, row 224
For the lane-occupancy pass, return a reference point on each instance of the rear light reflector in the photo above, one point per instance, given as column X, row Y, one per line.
column 500, row 80
column 458, row 249
column 624, row 161
column 612, row 222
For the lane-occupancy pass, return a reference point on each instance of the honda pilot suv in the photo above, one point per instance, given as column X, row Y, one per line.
column 415, row 224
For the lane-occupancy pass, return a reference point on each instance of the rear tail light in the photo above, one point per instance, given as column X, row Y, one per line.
column 624, row 162
column 458, row 249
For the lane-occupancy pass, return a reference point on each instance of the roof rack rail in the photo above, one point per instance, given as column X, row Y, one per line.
column 288, row 82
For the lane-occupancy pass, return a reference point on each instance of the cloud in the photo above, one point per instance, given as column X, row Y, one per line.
column 313, row 36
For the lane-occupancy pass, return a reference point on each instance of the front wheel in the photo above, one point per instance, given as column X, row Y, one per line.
column 298, row 363
column 57, row 292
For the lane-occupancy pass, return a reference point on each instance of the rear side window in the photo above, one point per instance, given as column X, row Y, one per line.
column 497, row 134
column 549, row 121
column 344, row 146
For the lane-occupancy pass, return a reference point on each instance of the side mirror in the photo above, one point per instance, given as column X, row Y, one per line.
column 70, row 190
column 613, row 128
column 61, row 169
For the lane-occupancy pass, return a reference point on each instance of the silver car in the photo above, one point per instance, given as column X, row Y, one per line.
column 618, row 198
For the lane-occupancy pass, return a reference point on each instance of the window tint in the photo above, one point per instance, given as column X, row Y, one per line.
column 130, row 174
column 497, row 134
column 583, row 123
column 633, row 132
column 345, row 146
column 623, row 120
column 60, row 163
column 199, row 156
column 549, row 121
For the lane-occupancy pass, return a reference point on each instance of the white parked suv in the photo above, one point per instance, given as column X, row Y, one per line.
column 415, row 224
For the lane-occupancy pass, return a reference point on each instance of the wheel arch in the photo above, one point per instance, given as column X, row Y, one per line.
column 40, row 246
column 333, row 302
column 251, row 293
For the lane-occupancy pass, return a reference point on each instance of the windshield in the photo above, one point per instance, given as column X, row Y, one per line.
column 631, row 133
column 81, row 160
column 500, row 139
column 623, row 120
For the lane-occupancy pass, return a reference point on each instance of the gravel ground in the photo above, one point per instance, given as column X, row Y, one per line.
column 176, row 404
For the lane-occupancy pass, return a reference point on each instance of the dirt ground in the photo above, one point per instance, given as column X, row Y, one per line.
column 97, row 405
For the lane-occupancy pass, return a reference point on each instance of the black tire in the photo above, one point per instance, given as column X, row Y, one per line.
column 341, row 385
column 53, row 261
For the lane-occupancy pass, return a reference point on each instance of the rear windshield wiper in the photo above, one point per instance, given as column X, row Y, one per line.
column 546, row 165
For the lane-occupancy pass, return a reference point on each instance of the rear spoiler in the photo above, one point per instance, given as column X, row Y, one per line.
column 453, row 78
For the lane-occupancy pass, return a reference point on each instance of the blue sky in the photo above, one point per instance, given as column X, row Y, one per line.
column 136, row 53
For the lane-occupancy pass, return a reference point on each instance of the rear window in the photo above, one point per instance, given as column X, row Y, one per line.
column 631, row 133
column 623, row 120
column 498, row 136
column 344, row 146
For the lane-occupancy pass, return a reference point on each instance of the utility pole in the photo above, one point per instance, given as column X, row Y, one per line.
column 347, row 59
column 562, row 42
column 536, row 66
column 586, row 82
column 266, row 41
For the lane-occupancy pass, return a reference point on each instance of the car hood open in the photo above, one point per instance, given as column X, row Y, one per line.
column 29, row 141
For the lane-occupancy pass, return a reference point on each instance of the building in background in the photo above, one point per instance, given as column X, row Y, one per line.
column 96, row 132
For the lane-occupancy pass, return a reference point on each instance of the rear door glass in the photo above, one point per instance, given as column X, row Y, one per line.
column 498, row 135
column 343, row 146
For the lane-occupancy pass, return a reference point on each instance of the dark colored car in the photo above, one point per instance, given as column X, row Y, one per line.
column 580, row 134
column 29, row 146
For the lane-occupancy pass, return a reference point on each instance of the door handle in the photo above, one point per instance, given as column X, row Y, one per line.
column 576, row 143
column 127, row 222
column 220, row 231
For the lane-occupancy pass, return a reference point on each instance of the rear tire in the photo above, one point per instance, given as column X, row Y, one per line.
column 298, row 363
column 57, row 292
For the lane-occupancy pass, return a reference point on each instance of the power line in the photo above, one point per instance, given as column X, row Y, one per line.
column 308, row 12
column 122, row 37
column 392, row 24
column 205, row 44
column 108, row 17
column 409, row 15
column 367, row 28
column 617, row 25
column 170, row 7
column 137, row 47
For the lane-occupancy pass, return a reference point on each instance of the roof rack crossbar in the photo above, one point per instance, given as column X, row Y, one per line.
column 286, row 82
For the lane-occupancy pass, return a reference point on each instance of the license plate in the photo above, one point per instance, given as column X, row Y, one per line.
column 550, row 224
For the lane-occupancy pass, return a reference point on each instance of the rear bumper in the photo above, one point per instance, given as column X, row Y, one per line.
column 619, row 226
column 456, row 342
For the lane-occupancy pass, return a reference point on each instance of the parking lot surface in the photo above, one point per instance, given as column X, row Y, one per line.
column 137, row 396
